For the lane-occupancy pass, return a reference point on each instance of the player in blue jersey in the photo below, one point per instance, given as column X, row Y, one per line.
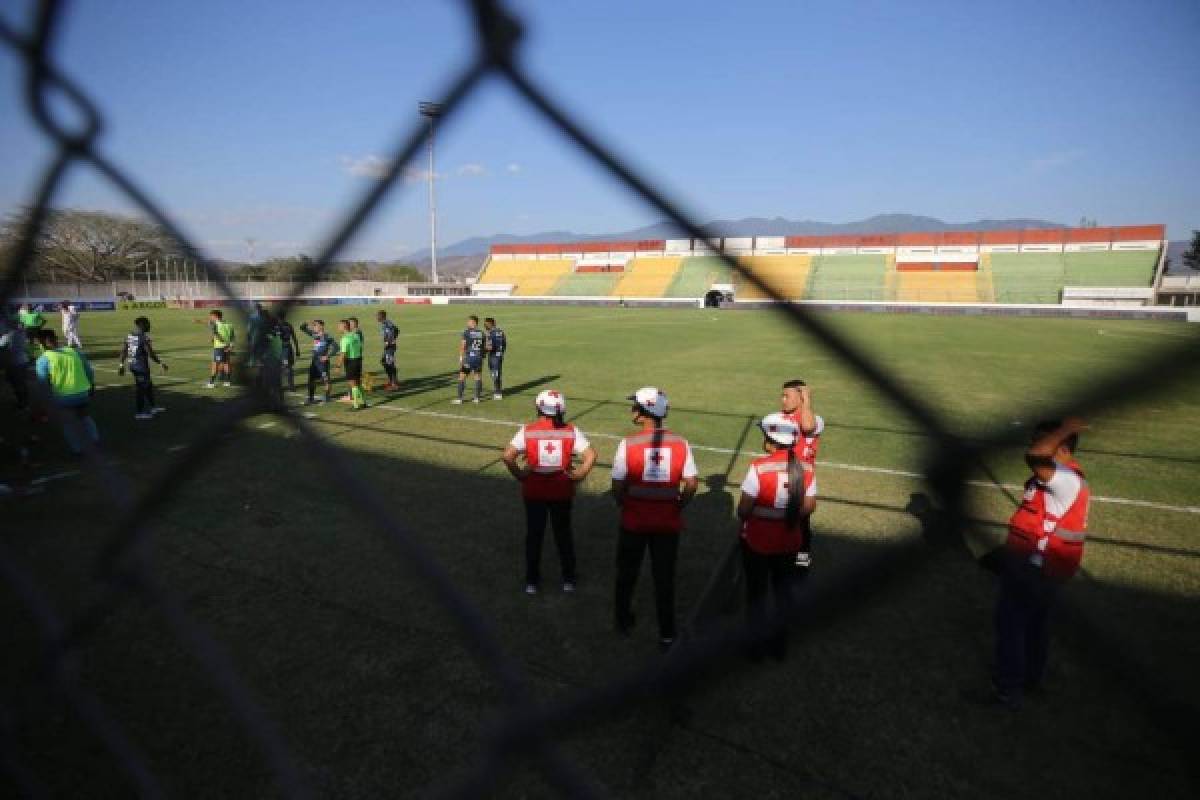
column 324, row 349
column 388, row 333
column 137, row 355
column 497, row 344
column 290, row 348
column 470, row 359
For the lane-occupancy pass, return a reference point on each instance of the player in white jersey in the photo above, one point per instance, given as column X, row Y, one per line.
column 70, row 324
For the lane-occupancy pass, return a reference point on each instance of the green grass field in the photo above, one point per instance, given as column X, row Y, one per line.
column 370, row 685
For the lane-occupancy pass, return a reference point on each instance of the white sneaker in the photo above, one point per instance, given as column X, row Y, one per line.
column 143, row 415
column 157, row 410
column 227, row 384
column 456, row 401
column 568, row 586
column 497, row 396
column 531, row 588
column 210, row 385
column 476, row 400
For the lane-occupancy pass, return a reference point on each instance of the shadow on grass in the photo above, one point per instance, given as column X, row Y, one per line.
column 367, row 680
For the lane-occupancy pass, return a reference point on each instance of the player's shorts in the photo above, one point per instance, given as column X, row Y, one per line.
column 354, row 369
column 388, row 359
column 287, row 358
column 140, row 377
column 496, row 363
column 220, row 355
column 470, row 364
column 319, row 370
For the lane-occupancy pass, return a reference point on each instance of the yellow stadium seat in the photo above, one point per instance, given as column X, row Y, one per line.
column 937, row 287
column 787, row 275
column 647, row 277
column 531, row 276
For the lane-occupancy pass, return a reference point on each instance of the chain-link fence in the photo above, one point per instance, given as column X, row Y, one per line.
column 528, row 728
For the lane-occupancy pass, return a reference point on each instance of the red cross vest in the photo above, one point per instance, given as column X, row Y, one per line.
column 548, row 453
column 805, row 446
column 654, row 464
column 1051, row 542
column 767, row 531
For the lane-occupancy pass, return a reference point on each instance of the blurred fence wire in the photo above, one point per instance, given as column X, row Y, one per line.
column 527, row 729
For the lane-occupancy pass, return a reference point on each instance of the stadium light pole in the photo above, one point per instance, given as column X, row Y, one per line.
column 431, row 111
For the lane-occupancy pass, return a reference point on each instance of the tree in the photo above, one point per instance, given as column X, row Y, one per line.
column 88, row 246
column 400, row 273
column 1191, row 256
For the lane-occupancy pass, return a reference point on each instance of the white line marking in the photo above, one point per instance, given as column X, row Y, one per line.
column 56, row 476
column 175, row 448
column 266, row 425
column 1124, row 501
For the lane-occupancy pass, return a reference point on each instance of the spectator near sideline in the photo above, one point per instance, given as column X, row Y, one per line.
column 795, row 403
column 653, row 479
column 779, row 494
column 1044, row 549
column 69, row 377
column 548, row 483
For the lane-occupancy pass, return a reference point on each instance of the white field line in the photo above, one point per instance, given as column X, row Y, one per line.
column 55, row 477
column 1124, row 501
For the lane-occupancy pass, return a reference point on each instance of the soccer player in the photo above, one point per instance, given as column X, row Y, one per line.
column 388, row 333
column 69, row 377
column 778, row 494
column 548, row 483
column 497, row 343
column 324, row 347
column 352, row 358
column 653, row 479
column 470, row 359
column 222, row 339
column 32, row 321
column 70, row 324
column 289, row 349
column 138, row 353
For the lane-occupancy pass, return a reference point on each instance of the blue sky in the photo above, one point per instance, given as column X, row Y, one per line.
column 264, row 119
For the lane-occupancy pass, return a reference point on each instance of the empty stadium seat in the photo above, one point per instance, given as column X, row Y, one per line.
column 530, row 276
column 696, row 276
column 787, row 275
column 1115, row 268
column 647, row 277
column 937, row 287
column 586, row 284
column 858, row 277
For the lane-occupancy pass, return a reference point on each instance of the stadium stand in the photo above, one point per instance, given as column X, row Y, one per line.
column 839, row 278
column 586, row 284
column 937, row 287
column 788, row 275
column 696, row 276
column 647, row 277
column 1027, row 277
column 531, row 276
column 1117, row 268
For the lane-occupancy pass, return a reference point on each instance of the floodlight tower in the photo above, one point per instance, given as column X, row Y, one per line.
column 431, row 111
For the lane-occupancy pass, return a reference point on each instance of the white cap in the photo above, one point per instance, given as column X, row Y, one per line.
column 652, row 401
column 551, row 402
column 779, row 429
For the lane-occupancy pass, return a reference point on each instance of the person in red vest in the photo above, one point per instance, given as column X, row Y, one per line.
column 1043, row 550
column 779, row 494
column 548, row 483
column 795, row 403
column 653, row 479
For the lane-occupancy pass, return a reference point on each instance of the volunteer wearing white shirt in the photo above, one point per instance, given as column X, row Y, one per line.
column 548, row 483
column 779, row 494
column 653, row 479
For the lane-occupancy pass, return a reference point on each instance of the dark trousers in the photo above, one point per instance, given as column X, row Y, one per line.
column 536, row 512
column 143, row 389
column 1022, row 632
column 496, row 368
column 780, row 571
column 16, row 379
column 631, row 547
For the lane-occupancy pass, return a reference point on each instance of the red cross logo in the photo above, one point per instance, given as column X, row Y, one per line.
column 549, row 447
column 657, row 458
column 554, row 394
